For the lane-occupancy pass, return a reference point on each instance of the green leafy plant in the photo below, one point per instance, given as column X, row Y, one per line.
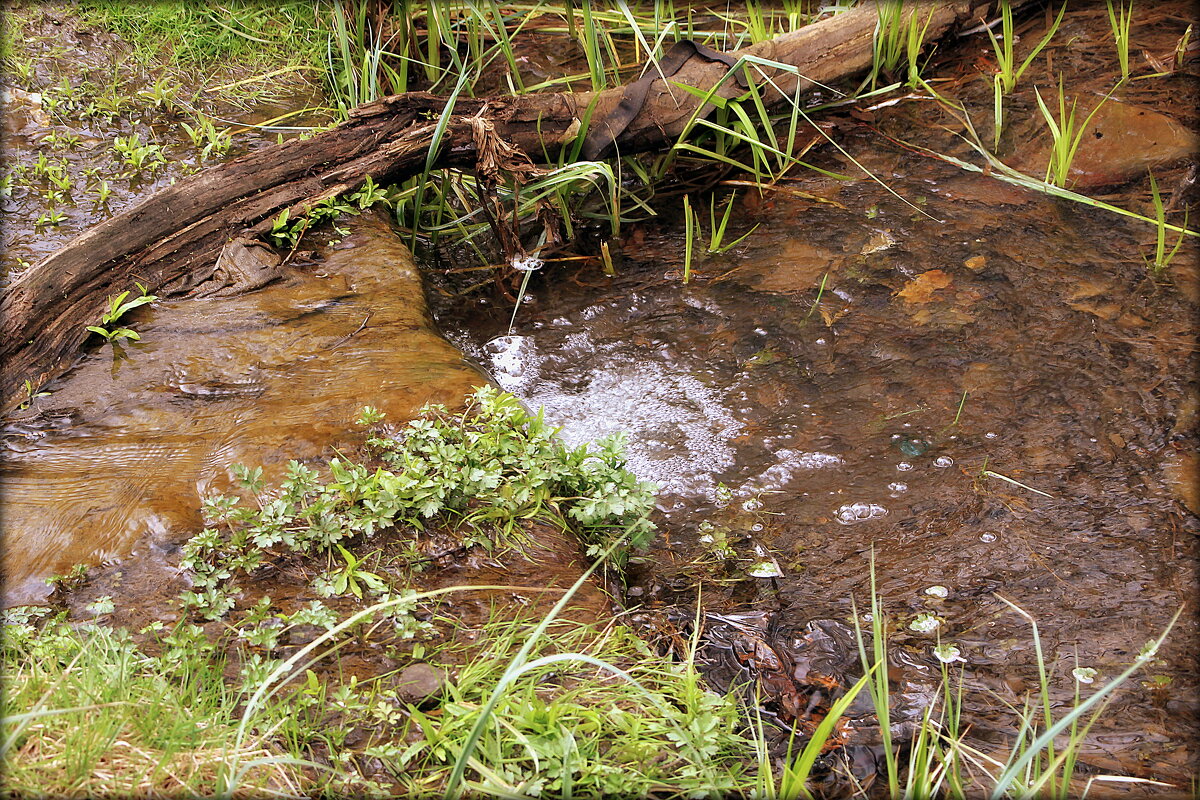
column 1065, row 134
column 162, row 94
column 53, row 217
column 899, row 37
column 31, row 394
column 1008, row 73
column 481, row 471
column 691, row 225
column 716, row 238
column 138, row 156
column 118, row 306
column 351, row 577
column 103, row 192
column 207, row 138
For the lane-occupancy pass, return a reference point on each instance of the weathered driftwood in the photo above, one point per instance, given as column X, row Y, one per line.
column 173, row 238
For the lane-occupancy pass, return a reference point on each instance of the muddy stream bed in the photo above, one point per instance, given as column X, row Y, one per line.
column 857, row 380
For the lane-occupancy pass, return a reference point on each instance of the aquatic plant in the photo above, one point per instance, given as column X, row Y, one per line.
column 1162, row 259
column 206, row 138
column 138, row 156
column 1119, row 19
column 899, row 37
column 1065, row 135
column 481, row 472
column 118, row 306
column 1008, row 73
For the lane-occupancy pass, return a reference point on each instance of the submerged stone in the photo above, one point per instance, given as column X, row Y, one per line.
column 1120, row 143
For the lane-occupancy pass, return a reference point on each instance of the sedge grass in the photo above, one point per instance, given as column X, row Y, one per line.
column 899, row 38
column 1008, row 72
column 1162, row 259
column 1065, row 134
column 1120, row 17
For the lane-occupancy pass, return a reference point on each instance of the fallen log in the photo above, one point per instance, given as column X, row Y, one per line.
column 170, row 241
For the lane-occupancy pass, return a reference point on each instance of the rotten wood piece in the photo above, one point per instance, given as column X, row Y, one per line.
column 170, row 242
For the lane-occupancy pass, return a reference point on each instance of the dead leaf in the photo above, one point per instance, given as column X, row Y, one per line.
column 921, row 288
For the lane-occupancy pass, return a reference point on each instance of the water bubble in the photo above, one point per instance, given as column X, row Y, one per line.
column 990, row 435
column 897, row 488
column 527, row 264
column 943, row 461
column 987, row 536
column 858, row 512
column 511, row 357
column 904, row 466
column 937, row 591
column 913, row 446
column 679, row 429
column 756, row 527
column 1084, row 674
column 765, row 569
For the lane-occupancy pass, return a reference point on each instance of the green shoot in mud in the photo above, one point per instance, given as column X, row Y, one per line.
column 139, row 157
column 287, row 232
column 1119, row 19
column 1065, row 137
column 31, row 394
column 118, row 306
column 207, row 139
column 1162, row 259
column 691, row 224
column 1008, row 73
column 716, row 235
column 899, row 36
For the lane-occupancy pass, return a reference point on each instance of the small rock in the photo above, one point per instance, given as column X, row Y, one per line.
column 418, row 682
column 1121, row 142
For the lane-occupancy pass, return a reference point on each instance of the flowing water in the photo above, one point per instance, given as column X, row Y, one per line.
column 859, row 378
column 114, row 463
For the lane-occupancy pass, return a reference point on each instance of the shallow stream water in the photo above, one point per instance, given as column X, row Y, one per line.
column 986, row 338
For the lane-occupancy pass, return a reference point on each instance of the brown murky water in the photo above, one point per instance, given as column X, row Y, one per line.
column 115, row 461
column 808, row 434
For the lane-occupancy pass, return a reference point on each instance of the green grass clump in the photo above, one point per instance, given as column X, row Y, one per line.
column 192, row 35
column 585, row 711
column 87, row 713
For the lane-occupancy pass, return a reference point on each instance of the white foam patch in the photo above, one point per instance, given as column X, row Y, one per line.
column 513, row 362
column 678, row 431
column 790, row 464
